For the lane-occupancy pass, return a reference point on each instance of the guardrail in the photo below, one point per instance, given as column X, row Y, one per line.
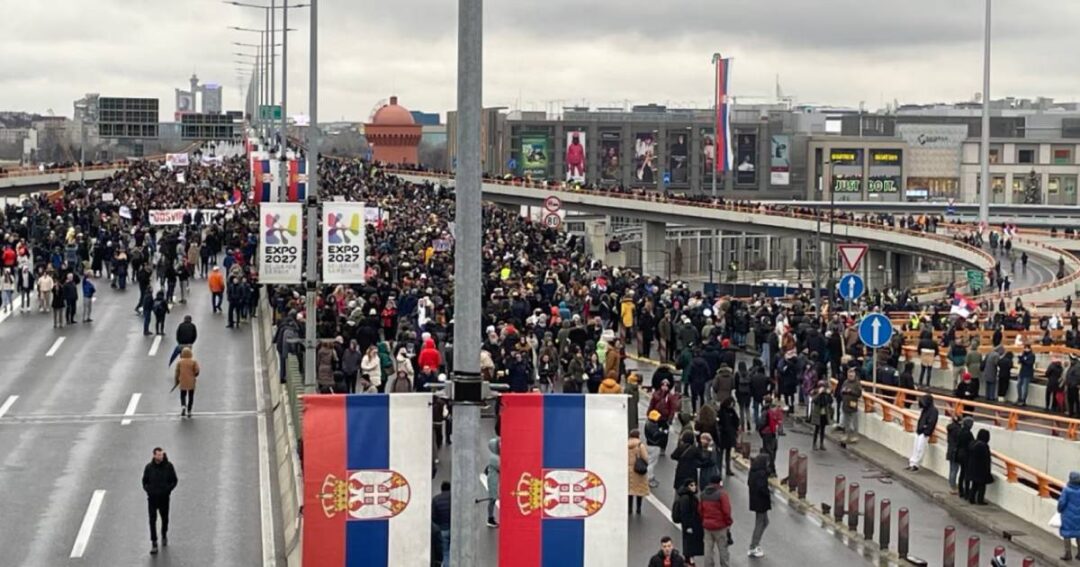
column 1046, row 485
column 118, row 164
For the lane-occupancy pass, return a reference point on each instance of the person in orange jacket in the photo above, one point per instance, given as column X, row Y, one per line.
column 216, row 281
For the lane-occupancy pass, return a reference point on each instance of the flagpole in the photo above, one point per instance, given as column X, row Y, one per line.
column 716, row 120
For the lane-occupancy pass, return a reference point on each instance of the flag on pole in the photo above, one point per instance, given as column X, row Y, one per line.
column 723, row 116
column 962, row 306
column 367, row 480
column 236, row 198
column 297, row 180
column 263, row 188
column 563, row 481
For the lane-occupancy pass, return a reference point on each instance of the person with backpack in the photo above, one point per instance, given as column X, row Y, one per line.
column 743, row 395
column 637, row 459
column 656, row 434
column 768, row 426
column 161, row 308
column 685, row 513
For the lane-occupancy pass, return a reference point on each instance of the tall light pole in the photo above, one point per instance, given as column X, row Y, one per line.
column 984, row 149
column 312, row 200
column 467, row 386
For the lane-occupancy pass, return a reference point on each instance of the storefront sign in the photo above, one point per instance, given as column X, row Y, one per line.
column 886, row 157
column 845, row 157
column 882, row 184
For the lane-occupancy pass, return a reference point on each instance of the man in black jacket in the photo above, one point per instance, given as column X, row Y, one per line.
column 186, row 333
column 927, row 423
column 440, row 517
column 668, row 556
column 158, row 480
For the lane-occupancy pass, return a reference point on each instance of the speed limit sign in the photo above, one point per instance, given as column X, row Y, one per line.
column 552, row 203
column 552, row 220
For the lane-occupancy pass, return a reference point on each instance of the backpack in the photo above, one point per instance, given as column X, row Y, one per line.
column 160, row 307
column 676, row 511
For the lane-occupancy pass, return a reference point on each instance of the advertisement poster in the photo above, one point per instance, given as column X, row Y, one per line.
column 281, row 245
column 575, row 156
column 746, row 157
column 645, row 158
column 780, row 161
column 534, row 155
column 708, row 155
column 678, row 157
column 343, row 243
column 177, row 160
column 883, row 184
column 610, row 156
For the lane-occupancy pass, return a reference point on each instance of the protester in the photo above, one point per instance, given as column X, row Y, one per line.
column 716, row 520
column 1068, row 505
column 760, row 501
column 668, row 556
column 926, row 426
column 158, row 481
column 978, row 474
column 685, row 513
column 639, row 481
column 186, row 375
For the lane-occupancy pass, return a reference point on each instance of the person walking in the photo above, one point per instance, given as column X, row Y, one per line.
column 668, row 556
column 685, row 513
column 850, row 396
column 58, row 308
column 440, row 519
column 727, row 428
column 158, row 481
column 161, row 308
column 1068, row 505
column 757, row 481
column 493, row 471
column 186, row 335
column 638, row 487
column 666, row 403
column 88, row 291
column 216, row 283
column 820, row 412
column 928, row 418
column 716, row 520
column 979, row 474
column 7, row 288
column 185, row 375
column 71, row 298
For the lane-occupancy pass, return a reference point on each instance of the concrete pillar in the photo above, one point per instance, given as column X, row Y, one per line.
column 654, row 254
column 596, row 239
column 904, row 268
column 875, row 265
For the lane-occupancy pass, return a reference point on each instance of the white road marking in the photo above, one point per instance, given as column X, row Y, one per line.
column 130, row 411
column 87, row 527
column 266, row 511
column 55, row 346
column 5, row 315
column 7, row 405
column 154, row 346
column 651, row 499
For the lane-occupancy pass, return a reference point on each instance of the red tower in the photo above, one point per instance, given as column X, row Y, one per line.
column 393, row 134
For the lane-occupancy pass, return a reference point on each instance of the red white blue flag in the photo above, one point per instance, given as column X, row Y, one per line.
column 367, row 480
column 297, row 180
column 563, row 481
column 723, row 116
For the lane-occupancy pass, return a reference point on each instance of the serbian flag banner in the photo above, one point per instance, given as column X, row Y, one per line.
column 266, row 188
column 253, row 166
column 962, row 306
column 297, row 180
column 367, row 480
column 563, row 481
column 723, row 115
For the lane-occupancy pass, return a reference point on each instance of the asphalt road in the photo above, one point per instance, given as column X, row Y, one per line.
column 63, row 440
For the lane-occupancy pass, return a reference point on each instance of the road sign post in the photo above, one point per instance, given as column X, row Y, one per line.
column 552, row 220
column 852, row 254
column 851, row 287
column 975, row 281
column 875, row 331
column 553, row 204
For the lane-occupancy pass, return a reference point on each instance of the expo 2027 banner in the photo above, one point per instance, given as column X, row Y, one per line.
column 281, row 244
column 343, row 242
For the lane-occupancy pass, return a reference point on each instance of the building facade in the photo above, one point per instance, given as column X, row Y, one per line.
column 1024, row 171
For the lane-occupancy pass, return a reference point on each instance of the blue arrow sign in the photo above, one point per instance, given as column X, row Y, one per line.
column 851, row 287
column 875, row 330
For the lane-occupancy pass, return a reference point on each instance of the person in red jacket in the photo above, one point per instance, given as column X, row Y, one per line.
column 715, row 510
column 667, row 403
column 429, row 355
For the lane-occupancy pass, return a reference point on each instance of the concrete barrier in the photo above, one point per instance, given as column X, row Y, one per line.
column 287, row 466
column 1012, row 497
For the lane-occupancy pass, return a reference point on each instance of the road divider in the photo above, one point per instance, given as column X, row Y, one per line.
column 56, row 346
column 130, row 411
column 87, row 527
column 154, row 346
column 7, row 405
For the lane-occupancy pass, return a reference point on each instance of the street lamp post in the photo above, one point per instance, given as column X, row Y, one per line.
column 984, row 149
column 312, row 282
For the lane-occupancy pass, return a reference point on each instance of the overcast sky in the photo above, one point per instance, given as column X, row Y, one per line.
column 545, row 54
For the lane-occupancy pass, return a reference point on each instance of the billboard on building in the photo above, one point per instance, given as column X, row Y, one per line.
column 610, row 156
column 708, row 155
column 678, row 157
column 780, row 160
column 645, row 157
column 847, row 174
column 746, row 155
column 534, row 155
column 575, row 156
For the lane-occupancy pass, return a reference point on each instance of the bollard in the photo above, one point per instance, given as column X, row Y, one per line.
column 853, row 506
column 902, row 533
column 948, row 557
column 792, row 461
column 838, row 498
column 973, row 551
column 885, row 527
column 801, row 471
column 868, row 516
column 1029, row 561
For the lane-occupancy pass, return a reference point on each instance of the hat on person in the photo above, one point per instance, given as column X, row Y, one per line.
column 654, row 415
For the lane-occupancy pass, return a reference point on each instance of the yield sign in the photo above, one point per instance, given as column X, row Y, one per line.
column 852, row 255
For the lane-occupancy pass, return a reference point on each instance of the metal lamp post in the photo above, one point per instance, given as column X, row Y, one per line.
column 984, row 149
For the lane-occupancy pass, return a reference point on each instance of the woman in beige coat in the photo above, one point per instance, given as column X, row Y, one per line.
column 187, row 371
column 639, row 483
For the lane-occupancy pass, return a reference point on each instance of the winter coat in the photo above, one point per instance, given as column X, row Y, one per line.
column 1068, row 506
column 990, row 364
column 639, row 483
column 634, row 392
column 429, row 356
column 964, row 440
column 952, row 436
column 699, row 373
column 186, row 333
column 850, row 395
column 821, row 408
column 723, row 384
column 676, row 560
column 727, row 427
column 684, row 511
column 715, row 508
column 611, row 361
column 757, row 481
column 666, row 405
column 324, row 364
column 928, row 417
column 707, row 420
column 401, row 385
column 708, row 463
column 159, row 479
column 978, row 465
column 610, row 386
column 187, row 369
column 759, row 384
column 687, row 457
